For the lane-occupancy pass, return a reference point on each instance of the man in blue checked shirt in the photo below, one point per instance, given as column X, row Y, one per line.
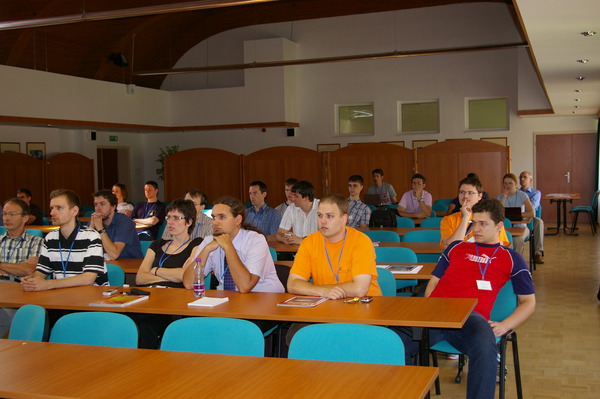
column 359, row 214
column 259, row 214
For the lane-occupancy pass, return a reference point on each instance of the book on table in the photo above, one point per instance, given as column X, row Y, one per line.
column 303, row 301
column 208, row 301
column 119, row 301
column 402, row 269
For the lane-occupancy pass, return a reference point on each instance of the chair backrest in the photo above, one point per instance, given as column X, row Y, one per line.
column 283, row 272
column 116, row 275
column 273, row 253
column 595, row 198
column 507, row 223
column 402, row 221
column 217, row 335
column 383, row 235
column 505, row 304
column 2, row 229
column 509, row 236
column 395, row 254
column 431, row 222
column 161, row 229
column 96, row 328
column 422, row 236
column 341, row 342
column 35, row 232
column 145, row 245
column 386, row 281
column 30, row 324
column 538, row 212
column 441, row 204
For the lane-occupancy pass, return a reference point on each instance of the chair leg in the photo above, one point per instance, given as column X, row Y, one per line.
column 517, row 364
column 434, row 363
column 461, row 364
column 592, row 224
column 574, row 226
column 501, row 380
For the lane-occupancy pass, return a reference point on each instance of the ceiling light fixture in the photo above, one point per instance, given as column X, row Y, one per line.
column 583, row 61
column 577, row 99
column 588, row 33
column 579, row 77
column 578, row 90
column 577, row 106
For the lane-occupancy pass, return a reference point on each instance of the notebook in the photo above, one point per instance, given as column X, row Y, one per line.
column 513, row 213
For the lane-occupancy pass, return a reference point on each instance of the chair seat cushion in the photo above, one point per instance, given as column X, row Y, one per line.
column 581, row 208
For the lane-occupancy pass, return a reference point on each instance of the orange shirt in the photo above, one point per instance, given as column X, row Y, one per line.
column 450, row 223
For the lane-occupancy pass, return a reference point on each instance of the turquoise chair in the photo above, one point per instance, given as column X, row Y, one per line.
column 507, row 223
column 161, row 229
column 398, row 254
column 88, row 213
column 45, row 221
column 96, row 328
column 401, row 221
column 29, row 324
column 342, row 342
column 441, row 204
column 273, row 254
column 591, row 211
column 383, row 235
column 505, row 304
column 35, row 232
column 116, row 275
column 432, row 222
column 372, row 207
column 386, row 281
column 86, row 210
column 144, row 246
column 424, row 236
column 2, row 229
column 217, row 335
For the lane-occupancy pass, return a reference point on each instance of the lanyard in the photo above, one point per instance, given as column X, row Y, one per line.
column 146, row 211
column 486, row 263
column 164, row 258
column 64, row 264
column 336, row 275
column 11, row 252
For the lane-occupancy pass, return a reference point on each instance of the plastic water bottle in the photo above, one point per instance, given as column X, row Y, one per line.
column 198, row 279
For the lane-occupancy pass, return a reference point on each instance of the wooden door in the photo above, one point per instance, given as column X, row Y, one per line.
column 108, row 167
column 565, row 163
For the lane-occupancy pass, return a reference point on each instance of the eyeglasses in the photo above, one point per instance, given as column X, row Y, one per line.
column 469, row 193
column 175, row 218
column 12, row 214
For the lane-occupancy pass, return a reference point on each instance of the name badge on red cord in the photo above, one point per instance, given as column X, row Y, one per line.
column 484, row 285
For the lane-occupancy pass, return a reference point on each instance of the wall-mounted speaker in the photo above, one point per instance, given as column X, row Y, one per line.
column 291, row 132
column 93, row 136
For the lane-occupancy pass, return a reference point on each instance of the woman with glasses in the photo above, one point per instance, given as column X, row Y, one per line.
column 165, row 259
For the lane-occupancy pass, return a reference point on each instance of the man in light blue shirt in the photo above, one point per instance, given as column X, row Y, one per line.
column 259, row 214
column 535, row 196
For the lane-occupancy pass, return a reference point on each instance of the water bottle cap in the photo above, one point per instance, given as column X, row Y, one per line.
column 198, row 260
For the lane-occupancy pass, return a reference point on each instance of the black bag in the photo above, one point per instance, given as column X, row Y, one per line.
column 383, row 218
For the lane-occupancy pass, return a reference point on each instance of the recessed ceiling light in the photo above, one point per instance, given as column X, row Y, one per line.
column 577, row 99
column 574, row 112
column 579, row 77
column 578, row 90
column 588, row 33
column 583, row 61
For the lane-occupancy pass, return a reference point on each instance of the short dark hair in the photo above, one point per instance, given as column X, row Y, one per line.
column 472, row 182
column 237, row 208
column 305, row 189
column 336, row 199
column 152, row 183
column 418, row 176
column 262, row 186
column 378, row 171
column 493, row 206
column 72, row 197
column 195, row 193
column 187, row 208
column 123, row 189
column 25, row 191
column 112, row 199
column 290, row 181
column 25, row 209
column 356, row 179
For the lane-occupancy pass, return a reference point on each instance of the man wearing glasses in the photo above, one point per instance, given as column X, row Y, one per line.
column 203, row 225
column 416, row 203
column 457, row 227
column 19, row 251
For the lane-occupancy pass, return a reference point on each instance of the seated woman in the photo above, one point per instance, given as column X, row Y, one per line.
column 164, row 263
column 511, row 197
column 120, row 191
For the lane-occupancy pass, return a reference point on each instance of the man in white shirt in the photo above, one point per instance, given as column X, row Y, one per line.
column 299, row 220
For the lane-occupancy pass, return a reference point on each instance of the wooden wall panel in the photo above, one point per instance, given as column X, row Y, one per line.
column 276, row 164
column 22, row 171
column 396, row 162
column 73, row 171
column 445, row 164
column 215, row 172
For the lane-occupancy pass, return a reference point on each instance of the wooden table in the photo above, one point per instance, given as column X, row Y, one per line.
column 45, row 229
column 129, row 266
column 561, row 200
column 383, row 311
column 423, row 274
column 417, row 247
column 401, row 231
column 42, row 370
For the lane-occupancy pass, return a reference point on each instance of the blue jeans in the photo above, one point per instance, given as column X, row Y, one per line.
column 476, row 340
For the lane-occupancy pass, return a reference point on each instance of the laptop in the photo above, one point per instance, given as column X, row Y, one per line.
column 513, row 213
column 373, row 199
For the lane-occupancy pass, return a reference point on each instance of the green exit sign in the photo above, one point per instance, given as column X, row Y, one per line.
column 113, row 138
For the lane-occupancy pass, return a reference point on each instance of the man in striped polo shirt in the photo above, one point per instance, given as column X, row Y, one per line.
column 71, row 255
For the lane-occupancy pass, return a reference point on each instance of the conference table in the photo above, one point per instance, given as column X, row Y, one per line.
column 401, row 231
column 424, row 274
column 417, row 247
column 561, row 200
column 43, row 370
column 47, row 228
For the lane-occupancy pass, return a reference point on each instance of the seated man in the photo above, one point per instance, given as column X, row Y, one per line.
column 359, row 213
column 300, row 219
column 479, row 270
column 454, row 205
column 340, row 260
column 238, row 256
column 289, row 183
column 203, row 224
column 259, row 214
column 117, row 231
column 35, row 214
column 73, row 254
column 150, row 212
column 387, row 194
column 417, row 202
column 19, row 251
column 458, row 227
column 535, row 196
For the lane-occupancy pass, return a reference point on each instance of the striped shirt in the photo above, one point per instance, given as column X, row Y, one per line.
column 359, row 213
column 69, row 257
column 19, row 249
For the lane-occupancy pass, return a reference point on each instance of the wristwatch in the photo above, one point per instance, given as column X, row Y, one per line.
column 101, row 231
